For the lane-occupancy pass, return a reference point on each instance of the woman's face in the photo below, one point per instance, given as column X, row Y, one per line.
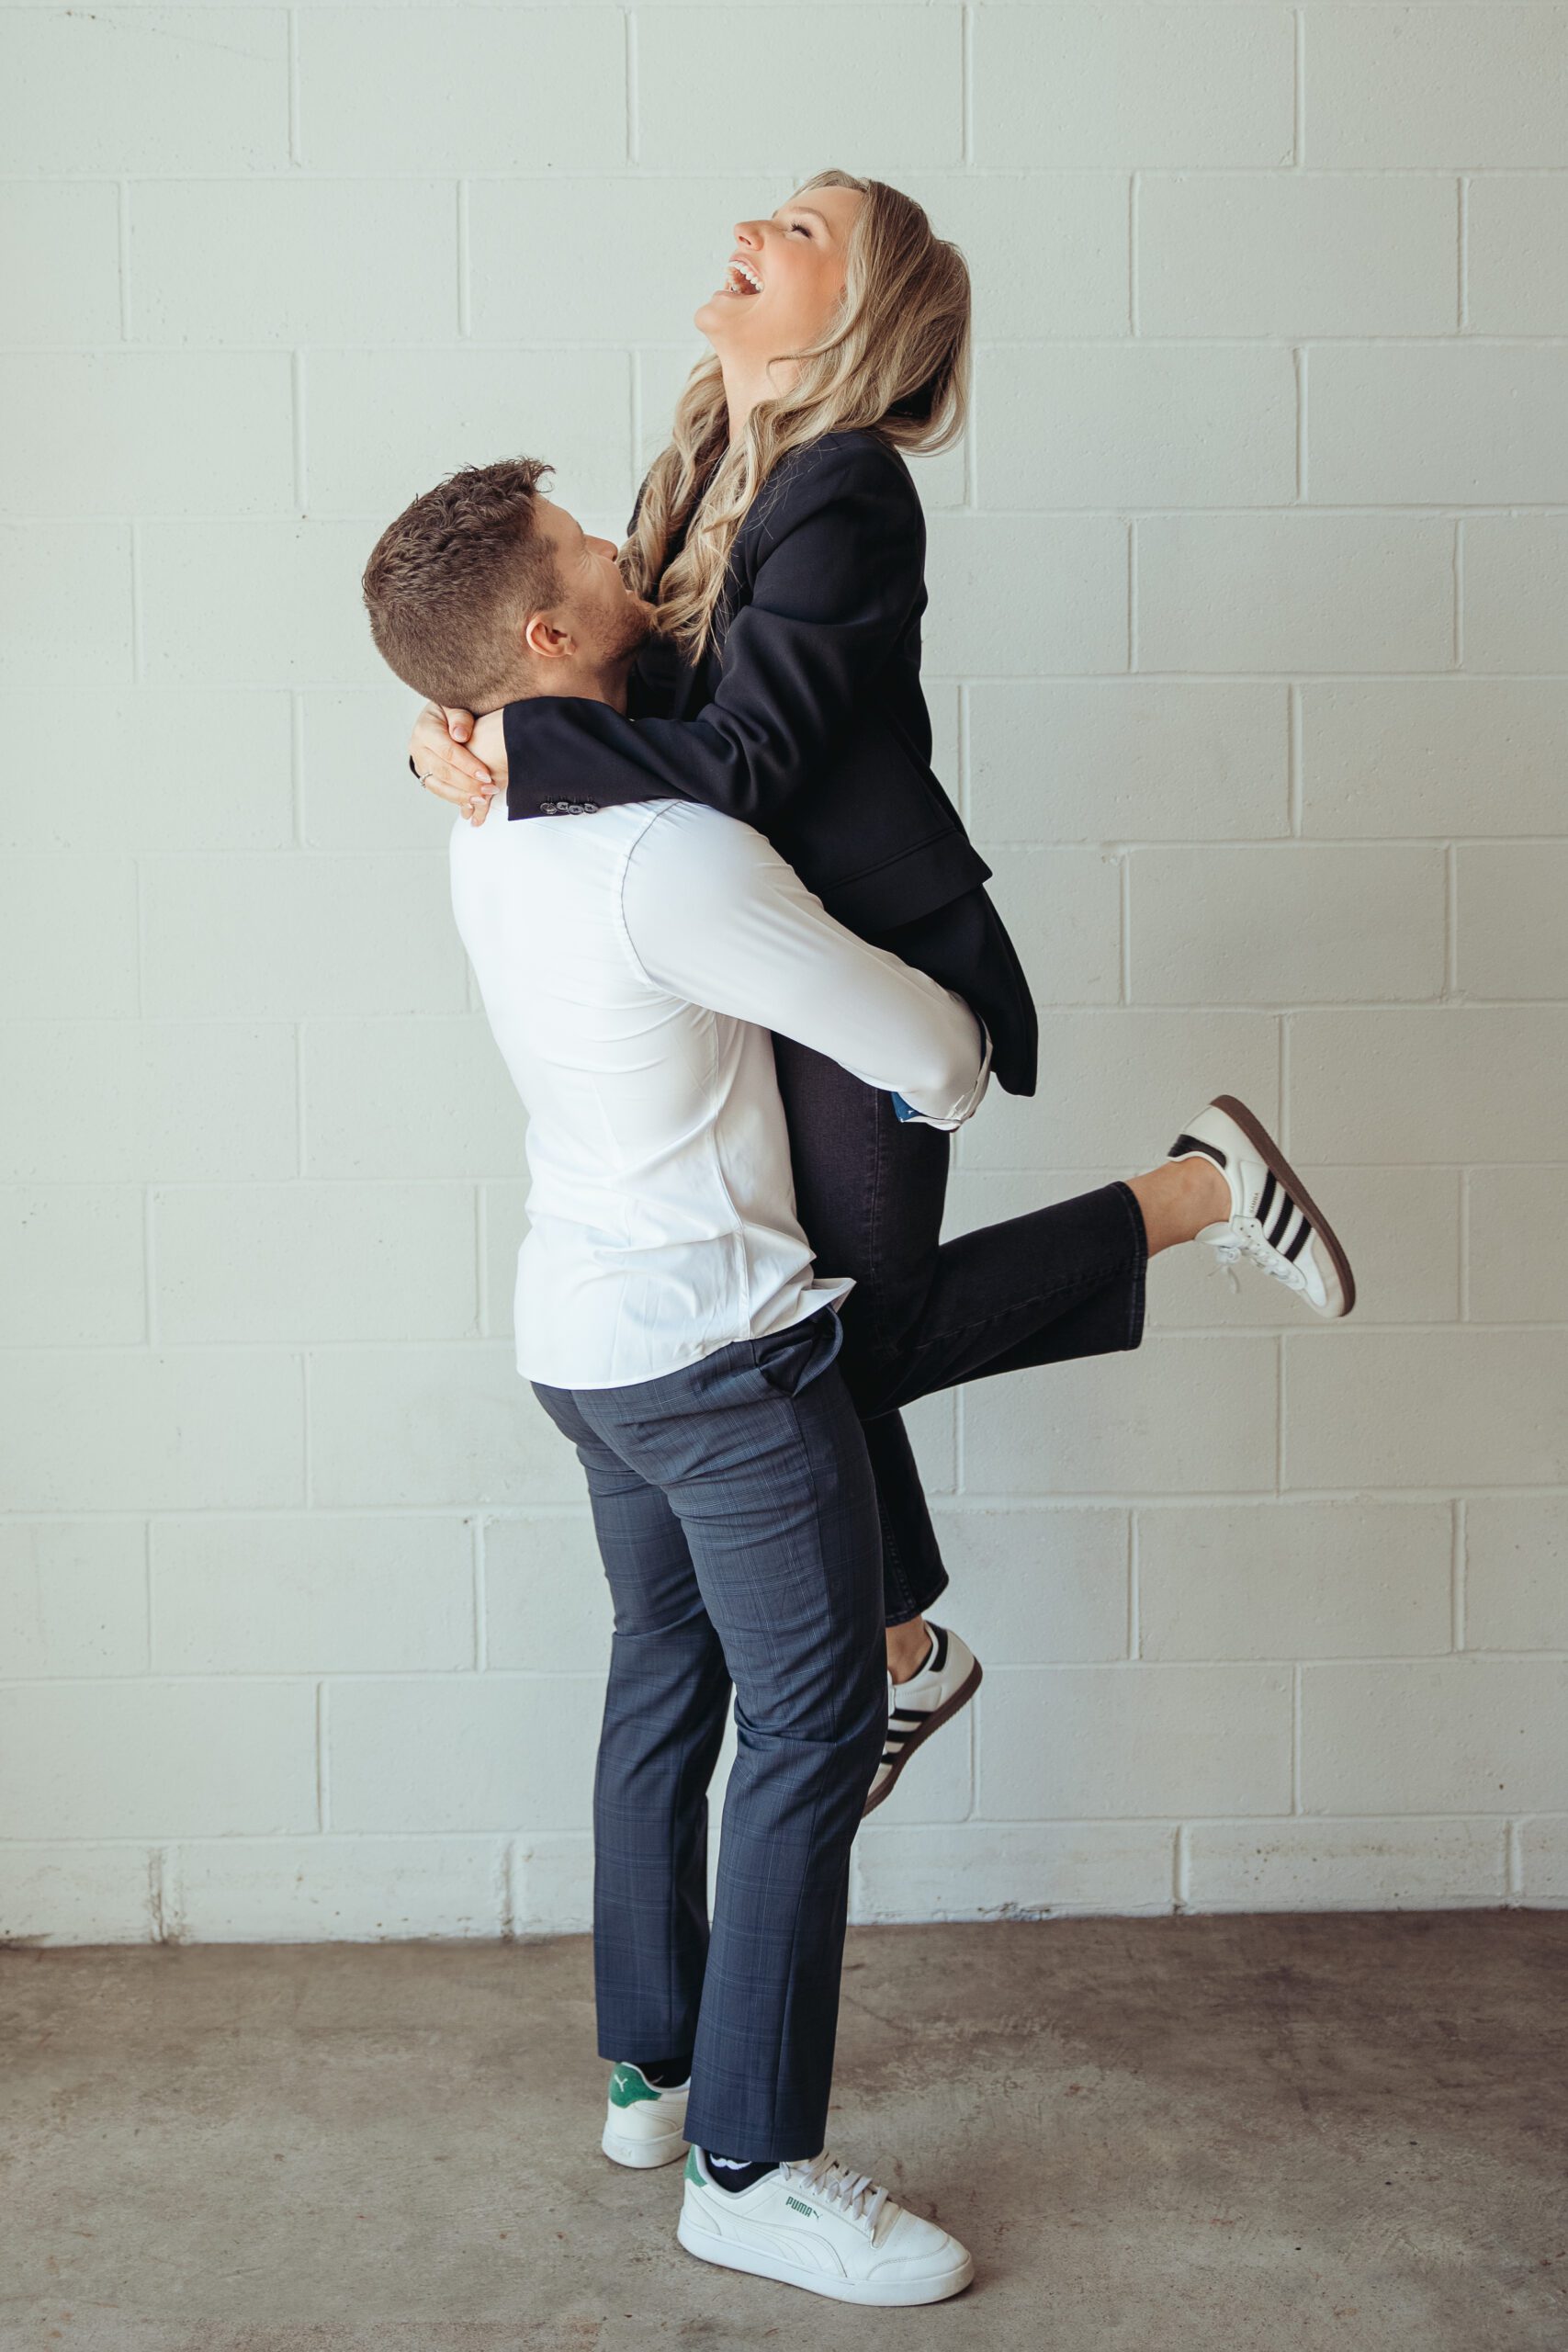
column 786, row 278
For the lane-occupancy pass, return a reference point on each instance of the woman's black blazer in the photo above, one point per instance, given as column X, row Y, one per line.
column 806, row 717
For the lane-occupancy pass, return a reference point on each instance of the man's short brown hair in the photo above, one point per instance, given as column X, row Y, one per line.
column 450, row 583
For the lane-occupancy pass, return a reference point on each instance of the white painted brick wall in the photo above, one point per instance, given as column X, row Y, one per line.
column 1246, row 660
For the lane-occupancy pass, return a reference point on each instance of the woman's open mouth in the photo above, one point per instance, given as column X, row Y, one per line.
column 742, row 279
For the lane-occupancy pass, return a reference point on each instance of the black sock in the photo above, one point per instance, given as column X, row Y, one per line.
column 735, row 2173
column 664, row 2073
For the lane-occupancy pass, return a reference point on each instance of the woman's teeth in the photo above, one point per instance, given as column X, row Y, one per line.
column 742, row 279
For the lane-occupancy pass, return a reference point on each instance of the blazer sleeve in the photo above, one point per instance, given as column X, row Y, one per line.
column 840, row 567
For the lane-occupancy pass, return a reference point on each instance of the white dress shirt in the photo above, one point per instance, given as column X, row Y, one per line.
column 632, row 963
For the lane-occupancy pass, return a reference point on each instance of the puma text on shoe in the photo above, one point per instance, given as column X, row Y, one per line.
column 815, row 2223
column 1274, row 1222
column 644, row 2125
column 947, row 1681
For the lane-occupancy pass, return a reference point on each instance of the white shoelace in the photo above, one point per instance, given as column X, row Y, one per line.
column 854, row 2194
column 1244, row 1239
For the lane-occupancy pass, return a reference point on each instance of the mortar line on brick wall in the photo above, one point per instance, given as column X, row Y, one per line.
column 1160, row 1333
column 323, row 1788
column 306, row 1465
column 465, row 289
column 297, row 389
column 1450, row 923
column 159, row 1907
column 1130, row 527
column 1134, row 1590
column 139, row 934
column 1281, row 840
column 629, row 66
column 429, row 1677
column 1180, row 1868
column 302, row 1156
column 1298, row 89
column 636, row 172
column 1260, row 1009
column 977, row 1503
column 147, row 1595
column 1299, row 372
column 138, row 623
column 1031, row 1168
column 1462, row 231
column 508, row 1875
column 150, row 1264
column 265, row 1839
column 1513, row 1862
column 526, row 1512
column 1295, row 728
column 1456, row 1576
column 1417, row 510
column 410, row 349
column 481, row 1603
column 295, row 774
column 1134, row 187
column 481, row 1258
column 122, row 234
column 1124, row 918
column 296, row 154
column 1458, row 607
column 966, row 87
column 1280, row 1414
column 1296, row 1737
column 1283, row 1079
column 1464, row 1245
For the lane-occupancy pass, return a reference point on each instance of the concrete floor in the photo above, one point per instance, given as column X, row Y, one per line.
column 1199, row 2134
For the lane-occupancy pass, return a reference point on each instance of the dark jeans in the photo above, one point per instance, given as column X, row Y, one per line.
column 737, row 1519
column 1063, row 1282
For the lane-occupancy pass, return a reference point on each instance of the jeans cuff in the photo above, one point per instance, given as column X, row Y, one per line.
column 1138, row 1278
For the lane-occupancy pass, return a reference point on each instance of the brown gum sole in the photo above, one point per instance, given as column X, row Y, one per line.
column 939, row 1716
column 1274, row 1158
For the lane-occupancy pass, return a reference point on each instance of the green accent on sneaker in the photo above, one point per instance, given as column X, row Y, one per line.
column 627, row 2086
column 691, row 2172
column 809, row 2211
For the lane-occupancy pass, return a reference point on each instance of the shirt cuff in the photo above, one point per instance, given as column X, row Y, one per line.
column 906, row 1112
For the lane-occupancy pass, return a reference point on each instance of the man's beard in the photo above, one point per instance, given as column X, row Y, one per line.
column 632, row 631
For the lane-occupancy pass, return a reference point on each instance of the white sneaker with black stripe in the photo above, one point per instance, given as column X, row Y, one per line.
column 948, row 1680
column 644, row 2125
column 818, row 2224
column 1274, row 1222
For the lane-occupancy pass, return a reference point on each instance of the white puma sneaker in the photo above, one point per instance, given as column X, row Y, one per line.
column 818, row 2225
column 1274, row 1222
column 644, row 2125
column 947, row 1681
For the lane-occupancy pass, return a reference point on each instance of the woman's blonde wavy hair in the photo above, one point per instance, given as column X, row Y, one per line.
column 894, row 360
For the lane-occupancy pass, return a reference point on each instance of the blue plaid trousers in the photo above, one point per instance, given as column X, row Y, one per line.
column 737, row 1517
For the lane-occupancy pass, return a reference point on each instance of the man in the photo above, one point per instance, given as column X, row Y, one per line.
column 632, row 964
column 668, row 1316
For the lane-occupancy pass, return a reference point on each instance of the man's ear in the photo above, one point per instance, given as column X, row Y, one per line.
column 545, row 641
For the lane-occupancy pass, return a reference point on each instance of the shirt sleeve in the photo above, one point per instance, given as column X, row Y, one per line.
column 713, row 913
column 842, row 566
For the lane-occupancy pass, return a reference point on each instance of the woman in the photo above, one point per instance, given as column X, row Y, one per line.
column 782, row 540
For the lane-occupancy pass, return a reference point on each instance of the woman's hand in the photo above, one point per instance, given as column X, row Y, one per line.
column 460, row 758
